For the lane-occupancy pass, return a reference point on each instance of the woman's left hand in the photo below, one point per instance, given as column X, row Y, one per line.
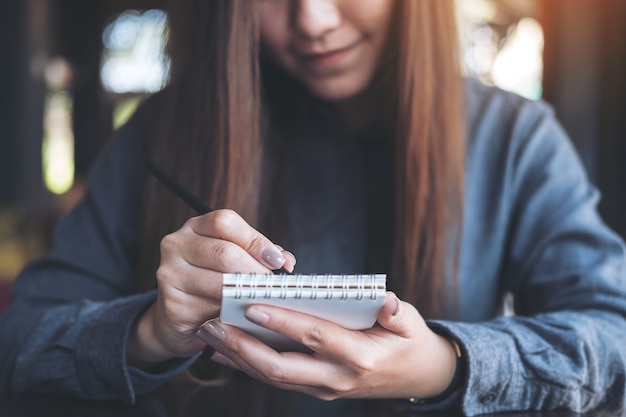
column 400, row 357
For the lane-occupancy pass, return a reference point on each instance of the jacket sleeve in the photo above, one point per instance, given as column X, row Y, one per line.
column 71, row 310
column 564, row 347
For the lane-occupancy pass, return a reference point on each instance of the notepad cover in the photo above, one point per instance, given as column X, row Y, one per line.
column 351, row 301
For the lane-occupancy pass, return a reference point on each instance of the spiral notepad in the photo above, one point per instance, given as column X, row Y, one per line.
column 351, row 301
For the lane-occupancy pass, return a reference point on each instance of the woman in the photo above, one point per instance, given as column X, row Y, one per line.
column 344, row 132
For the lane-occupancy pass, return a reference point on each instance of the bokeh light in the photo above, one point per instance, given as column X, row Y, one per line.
column 134, row 59
column 502, row 46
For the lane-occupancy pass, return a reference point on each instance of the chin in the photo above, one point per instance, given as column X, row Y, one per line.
column 336, row 90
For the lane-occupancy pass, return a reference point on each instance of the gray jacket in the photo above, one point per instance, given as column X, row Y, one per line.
column 530, row 229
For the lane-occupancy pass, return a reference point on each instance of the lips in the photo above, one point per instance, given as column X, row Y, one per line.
column 328, row 59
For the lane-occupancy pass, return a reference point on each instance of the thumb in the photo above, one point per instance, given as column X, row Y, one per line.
column 398, row 316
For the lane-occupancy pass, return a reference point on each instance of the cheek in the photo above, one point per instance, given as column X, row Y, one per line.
column 275, row 47
column 274, row 31
column 270, row 41
column 374, row 17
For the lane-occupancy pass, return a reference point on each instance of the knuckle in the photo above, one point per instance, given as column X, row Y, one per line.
column 255, row 242
column 223, row 255
column 224, row 219
column 341, row 389
column 328, row 395
column 166, row 275
column 235, row 346
column 313, row 337
column 171, row 307
column 277, row 373
column 162, row 275
column 169, row 242
column 364, row 364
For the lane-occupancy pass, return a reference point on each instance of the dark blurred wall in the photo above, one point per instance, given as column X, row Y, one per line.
column 612, row 118
column 584, row 79
column 10, row 50
column 21, row 103
column 572, row 70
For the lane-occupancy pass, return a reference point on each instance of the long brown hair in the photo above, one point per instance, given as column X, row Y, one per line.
column 204, row 128
column 209, row 128
column 429, row 154
column 209, row 125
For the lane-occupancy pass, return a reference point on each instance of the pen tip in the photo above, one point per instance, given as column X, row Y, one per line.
column 282, row 270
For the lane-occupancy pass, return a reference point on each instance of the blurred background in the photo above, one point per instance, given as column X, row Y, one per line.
column 72, row 71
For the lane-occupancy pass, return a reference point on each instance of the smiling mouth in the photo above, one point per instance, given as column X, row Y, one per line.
column 328, row 59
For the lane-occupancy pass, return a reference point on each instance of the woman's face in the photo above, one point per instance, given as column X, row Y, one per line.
column 332, row 46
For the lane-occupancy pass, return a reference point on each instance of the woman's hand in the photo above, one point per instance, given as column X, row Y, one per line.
column 189, row 279
column 400, row 357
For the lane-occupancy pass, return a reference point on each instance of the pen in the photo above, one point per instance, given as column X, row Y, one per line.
column 189, row 198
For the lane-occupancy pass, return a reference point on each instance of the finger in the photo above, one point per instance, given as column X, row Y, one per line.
column 321, row 336
column 187, row 247
column 224, row 360
column 228, row 225
column 399, row 317
column 190, row 279
column 290, row 260
column 287, row 370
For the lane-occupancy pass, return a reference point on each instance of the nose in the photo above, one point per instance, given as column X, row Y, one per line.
column 314, row 18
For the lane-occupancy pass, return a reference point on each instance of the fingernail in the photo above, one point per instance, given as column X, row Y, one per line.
column 289, row 254
column 397, row 309
column 219, row 359
column 210, row 333
column 273, row 258
column 257, row 316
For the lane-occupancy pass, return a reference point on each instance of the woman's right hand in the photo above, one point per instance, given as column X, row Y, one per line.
column 189, row 279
